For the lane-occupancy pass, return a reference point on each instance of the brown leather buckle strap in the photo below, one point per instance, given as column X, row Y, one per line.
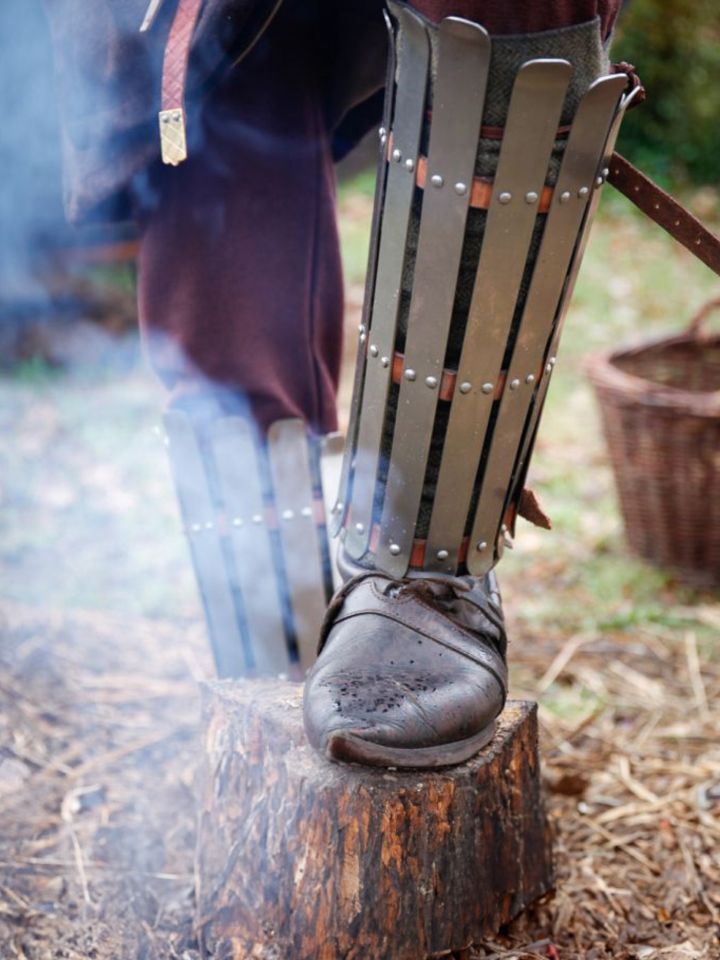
column 481, row 188
column 417, row 554
column 665, row 211
column 173, row 141
column 448, row 380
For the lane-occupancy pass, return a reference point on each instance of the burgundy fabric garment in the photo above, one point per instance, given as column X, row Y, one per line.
column 526, row 16
column 239, row 276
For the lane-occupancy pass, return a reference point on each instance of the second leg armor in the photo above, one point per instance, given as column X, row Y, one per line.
column 493, row 153
column 254, row 516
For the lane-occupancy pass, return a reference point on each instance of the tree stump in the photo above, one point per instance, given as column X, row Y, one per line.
column 302, row 859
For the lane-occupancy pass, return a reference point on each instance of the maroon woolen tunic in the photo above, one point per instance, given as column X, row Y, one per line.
column 240, row 279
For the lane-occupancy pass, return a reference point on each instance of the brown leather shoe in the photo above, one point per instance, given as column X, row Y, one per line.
column 411, row 673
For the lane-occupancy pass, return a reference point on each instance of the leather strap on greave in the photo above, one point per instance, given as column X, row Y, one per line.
column 665, row 211
column 468, row 425
column 255, row 521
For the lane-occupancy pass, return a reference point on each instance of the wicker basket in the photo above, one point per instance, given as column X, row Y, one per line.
column 660, row 405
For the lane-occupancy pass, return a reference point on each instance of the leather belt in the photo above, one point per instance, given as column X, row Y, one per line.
column 173, row 141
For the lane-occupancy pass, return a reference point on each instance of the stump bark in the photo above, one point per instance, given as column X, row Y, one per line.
column 302, row 859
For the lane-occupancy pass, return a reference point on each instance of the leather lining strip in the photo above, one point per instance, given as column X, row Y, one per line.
column 417, row 553
column 481, row 189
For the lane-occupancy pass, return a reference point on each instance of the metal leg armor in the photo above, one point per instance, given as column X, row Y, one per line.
column 255, row 520
column 487, row 189
column 492, row 155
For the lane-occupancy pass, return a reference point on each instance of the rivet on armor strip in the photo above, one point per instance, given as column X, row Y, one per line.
column 394, row 549
column 360, row 527
column 397, row 155
column 553, row 361
column 531, row 197
column 363, row 337
column 548, row 368
column 488, row 387
column 410, row 164
column 165, row 118
column 564, row 196
column 530, row 378
column 514, row 384
column 257, row 518
column 410, row 375
column 361, row 328
column 237, row 521
column 481, row 546
column 385, row 361
column 306, row 512
column 461, row 189
column 176, row 115
column 196, row 527
column 431, row 382
column 374, row 351
column 606, row 172
column 503, row 528
column 436, row 180
column 505, row 197
column 442, row 554
column 599, row 181
column 465, row 387
column 382, row 132
column 583, row 191
column 287, row 514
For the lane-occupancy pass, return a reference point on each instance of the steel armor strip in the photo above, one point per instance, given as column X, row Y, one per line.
column 337, row 514
column 530, row 131
column 414, row 64
column 199, row 516
column 572, row 193
column 239, row 472
column 525, row 454
column 289, row 456
column 459, row 94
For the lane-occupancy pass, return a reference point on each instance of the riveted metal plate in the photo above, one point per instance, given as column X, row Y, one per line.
column 289, row 455
column 412, row 76
column 239, row 475
column 581, row 159
column 338, row 510
column 199, row 517
column 525, row 454
column 459, row 94
column 532, row 121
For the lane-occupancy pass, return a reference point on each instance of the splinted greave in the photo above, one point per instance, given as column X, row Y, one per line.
column 493, row 153
column 254, row 516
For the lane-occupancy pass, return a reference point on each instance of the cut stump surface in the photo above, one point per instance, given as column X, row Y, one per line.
column 302, row 859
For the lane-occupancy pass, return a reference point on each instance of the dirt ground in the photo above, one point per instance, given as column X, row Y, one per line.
column 102, row 647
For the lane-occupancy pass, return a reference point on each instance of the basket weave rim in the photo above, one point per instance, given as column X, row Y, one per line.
column 602, row 370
